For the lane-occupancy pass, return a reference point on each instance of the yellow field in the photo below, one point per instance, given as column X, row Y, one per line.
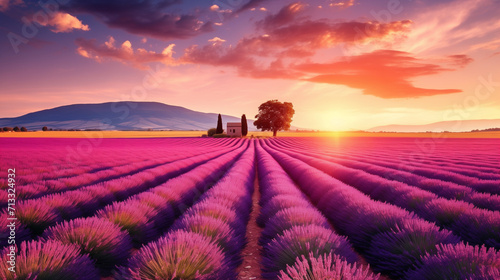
column 493, row 134
column 160, row 134
column 102, row 134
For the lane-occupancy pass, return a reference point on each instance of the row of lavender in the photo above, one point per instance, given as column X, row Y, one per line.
column 36, row 215
column 206, row 241
column 487, row 181
column 298, row 241
column 45, row 159
column 106, row 238
column 394, row 241
column 474, row 225
column 472, row 154
column 91, row 170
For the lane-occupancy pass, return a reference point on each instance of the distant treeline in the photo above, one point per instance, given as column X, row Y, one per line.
column 485, row 130
column 15, row 129
column 24, row 129
column 445, row 131
column 71, row 129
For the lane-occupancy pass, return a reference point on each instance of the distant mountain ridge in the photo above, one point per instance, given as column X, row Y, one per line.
column 124, row 115
column 451, row 126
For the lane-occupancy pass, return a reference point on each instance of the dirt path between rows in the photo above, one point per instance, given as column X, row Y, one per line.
column 250, row 268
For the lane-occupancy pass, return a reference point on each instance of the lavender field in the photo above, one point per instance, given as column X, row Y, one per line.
column 183, row 208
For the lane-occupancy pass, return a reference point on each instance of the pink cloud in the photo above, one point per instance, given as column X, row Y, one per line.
column 124, row 53
column 63, row 22
column 287, row 36
column 322, row 34
column 238, row 57
column 288, row 27
column 460, row 60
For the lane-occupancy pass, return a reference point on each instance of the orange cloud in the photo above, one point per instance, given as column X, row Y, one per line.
column 383, row 73
column 63, row 22
column 138, row 58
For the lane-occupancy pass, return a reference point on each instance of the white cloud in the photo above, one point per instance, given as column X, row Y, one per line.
column 217, row 40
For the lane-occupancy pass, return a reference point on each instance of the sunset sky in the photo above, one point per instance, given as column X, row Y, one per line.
column 345, row 65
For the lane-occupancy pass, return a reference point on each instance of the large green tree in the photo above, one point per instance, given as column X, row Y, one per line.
column 274, row 116
column 220, row 130
column 244, row 125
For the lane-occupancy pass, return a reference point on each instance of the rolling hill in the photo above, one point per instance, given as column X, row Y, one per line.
column 451, row 126
column 120, row 116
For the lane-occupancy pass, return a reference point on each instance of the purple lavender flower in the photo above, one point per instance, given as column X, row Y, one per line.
column 479, row 226
column 64, row 206
column 217, row 230
column 132, row 216
column 49, row 260
column 84, row 200
column 22, row 233
column 216, row 211
column 309, row 240
column 459, row 261
column 277, row 203
column 444, row 211
column 326, row 267
column 36, row 215
column 164, row 211
column 103, row 195
column 396, row 251
column 103, row 240
column 287, row 218
column 179, row 255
